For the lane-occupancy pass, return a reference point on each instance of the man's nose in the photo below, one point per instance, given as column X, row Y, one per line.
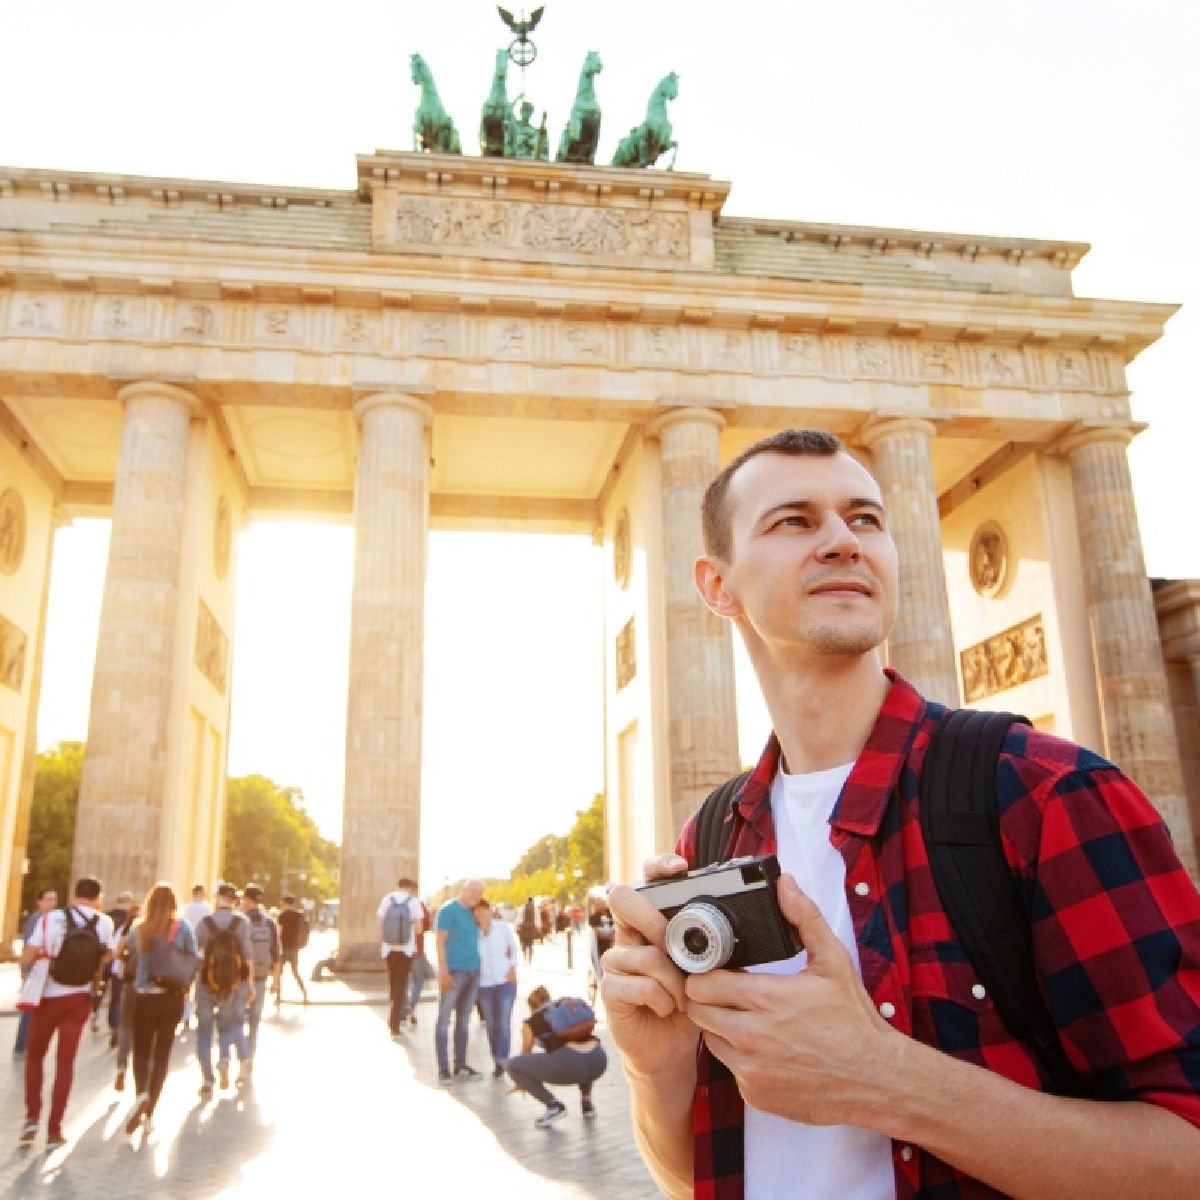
column 840, row 540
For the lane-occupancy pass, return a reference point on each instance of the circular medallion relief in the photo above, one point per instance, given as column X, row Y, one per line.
column 222, row 535
column 621, row 553
column 989, row 559
column 12, row 530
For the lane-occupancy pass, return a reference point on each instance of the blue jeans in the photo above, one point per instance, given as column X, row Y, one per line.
column 459, row 999
column 22, row 1031
column 230, row 1014
column 254, row 1015
column 497, row 1017
column 418, row 973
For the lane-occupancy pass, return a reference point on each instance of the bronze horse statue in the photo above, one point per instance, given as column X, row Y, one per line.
column 496, row 115
column 432, row 128
column 582, row 134
column 642, row 146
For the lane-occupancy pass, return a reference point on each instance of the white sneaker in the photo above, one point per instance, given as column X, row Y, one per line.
column 552, row 1113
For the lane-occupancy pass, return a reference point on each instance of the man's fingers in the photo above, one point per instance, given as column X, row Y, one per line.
column 663, row 866
column 637, row 920
column 644, row 965
column 825, row 952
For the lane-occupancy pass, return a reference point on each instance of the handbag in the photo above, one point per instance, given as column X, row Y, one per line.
column 169, row 965
column 33, row 985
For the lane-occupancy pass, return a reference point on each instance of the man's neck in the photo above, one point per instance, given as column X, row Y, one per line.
column 824, row 713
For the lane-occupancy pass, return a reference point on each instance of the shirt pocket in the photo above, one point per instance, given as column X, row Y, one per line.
column 951, row 1008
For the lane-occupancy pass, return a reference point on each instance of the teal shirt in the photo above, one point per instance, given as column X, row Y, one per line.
column 462, row 941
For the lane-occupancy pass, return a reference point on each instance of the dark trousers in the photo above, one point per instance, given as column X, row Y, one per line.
column 66, row 1015
column 398, row 965
column 116, row 987
column 154, row 1020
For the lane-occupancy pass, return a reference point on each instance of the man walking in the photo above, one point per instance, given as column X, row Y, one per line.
column 876, row 1063
column 113, row 983
column 458, row 979
column 266, row 965
column 193, row 913
column 47, row 901
column 223, row 988
column 293, row 937
column 78, row 941
column 400, row 915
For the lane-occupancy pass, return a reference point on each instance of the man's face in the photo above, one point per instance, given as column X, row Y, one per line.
column 813, row 566
column 472, row 893
column 48, row 901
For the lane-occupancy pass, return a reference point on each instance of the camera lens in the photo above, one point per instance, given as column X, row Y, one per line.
column 700, row 937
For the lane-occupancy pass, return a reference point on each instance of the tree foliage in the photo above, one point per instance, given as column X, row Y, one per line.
column 51, row 842
column 267, row 832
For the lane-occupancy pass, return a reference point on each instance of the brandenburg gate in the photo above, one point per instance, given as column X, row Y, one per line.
column 474, row 343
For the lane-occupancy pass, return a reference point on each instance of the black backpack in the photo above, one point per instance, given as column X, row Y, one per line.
column 78, row 958
column 224, row 965
column 960, row 822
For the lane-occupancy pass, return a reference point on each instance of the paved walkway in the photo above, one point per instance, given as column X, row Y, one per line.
column 335, row 1107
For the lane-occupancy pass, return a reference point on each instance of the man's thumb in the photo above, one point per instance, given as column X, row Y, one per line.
column 803, row 913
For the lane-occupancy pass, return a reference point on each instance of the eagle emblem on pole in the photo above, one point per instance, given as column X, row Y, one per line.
column 522, row 51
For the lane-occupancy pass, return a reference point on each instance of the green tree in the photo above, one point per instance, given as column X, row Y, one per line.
column 268, row 833
column 51, row 842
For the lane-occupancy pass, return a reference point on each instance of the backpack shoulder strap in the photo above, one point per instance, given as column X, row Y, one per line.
column 710, row 821
column 960, row 821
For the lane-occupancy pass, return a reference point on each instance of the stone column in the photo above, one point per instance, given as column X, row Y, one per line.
column 702, row 709
column 1139, row 733
column 118, row 830
column 921, row 646
column 381, row 837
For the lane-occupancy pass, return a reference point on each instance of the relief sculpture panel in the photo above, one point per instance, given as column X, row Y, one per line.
column 1010, row 658
column 550, row 228
column 212, row 649
column 12, row 655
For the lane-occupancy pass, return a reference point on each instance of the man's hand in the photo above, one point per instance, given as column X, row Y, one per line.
column 642, row 988
column 808, row 1047
column 445, row 981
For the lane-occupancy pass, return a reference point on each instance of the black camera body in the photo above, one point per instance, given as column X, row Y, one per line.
column 726, row 915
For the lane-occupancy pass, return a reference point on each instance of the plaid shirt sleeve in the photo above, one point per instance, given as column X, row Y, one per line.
column 1116, row 924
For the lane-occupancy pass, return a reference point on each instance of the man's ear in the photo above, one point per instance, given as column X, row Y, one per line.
column 709, row 576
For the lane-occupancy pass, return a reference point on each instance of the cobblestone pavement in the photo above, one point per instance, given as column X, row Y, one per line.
column 335, row 1107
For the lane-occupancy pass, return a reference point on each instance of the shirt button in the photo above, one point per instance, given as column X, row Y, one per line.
column 906, row 1153
column 887, row 1010
column 979, row 991
column 861, row 889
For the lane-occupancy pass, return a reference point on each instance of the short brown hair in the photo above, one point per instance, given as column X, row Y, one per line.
column 714, row 512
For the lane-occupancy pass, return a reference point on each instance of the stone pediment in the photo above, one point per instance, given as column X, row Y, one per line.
column 496, row 208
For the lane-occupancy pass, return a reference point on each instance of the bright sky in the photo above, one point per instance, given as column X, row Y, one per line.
column 1070, row 119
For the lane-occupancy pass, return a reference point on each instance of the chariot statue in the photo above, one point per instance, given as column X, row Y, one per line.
column 432, row 128
column 580, row 137
column 643, row 145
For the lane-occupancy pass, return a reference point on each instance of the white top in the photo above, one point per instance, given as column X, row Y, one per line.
column 195, row 911
column 55, row 925
column 788, row 1159
column 416, row 915
column 498, row 953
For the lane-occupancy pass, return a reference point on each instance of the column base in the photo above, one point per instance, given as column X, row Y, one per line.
column 362, row 958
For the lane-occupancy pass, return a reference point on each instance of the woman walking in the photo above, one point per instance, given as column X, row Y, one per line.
column 160, row 994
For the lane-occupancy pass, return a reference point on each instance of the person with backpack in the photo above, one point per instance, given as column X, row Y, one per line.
column 224, row 987
column 400, row 916
column 876, row 1062
column 163, row 963
column 122, row 967
column 293, row 937
column 570, row 1053
column 77, row 940
column 266, row 964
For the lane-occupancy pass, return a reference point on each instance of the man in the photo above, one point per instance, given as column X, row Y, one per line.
column 266, row 965
column 810, row 1083
column 82, row 936
column 293, row 937
column 421, row 970
column 47, row 902
column 400, row 915
column 458, row 980
column 224, row 987
column 119, row 915
column 193, row 913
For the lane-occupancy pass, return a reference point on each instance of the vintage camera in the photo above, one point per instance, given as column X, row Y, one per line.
column 726, row 915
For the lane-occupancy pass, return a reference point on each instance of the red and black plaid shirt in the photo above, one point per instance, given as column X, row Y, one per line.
column 1116, row 929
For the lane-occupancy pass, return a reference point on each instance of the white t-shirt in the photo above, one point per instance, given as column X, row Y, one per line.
column 787, row 1158
column 416, row 915
column 55, row 926
column 195, row 911
column 498, row 953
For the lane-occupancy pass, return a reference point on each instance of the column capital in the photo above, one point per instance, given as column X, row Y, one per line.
column 878, row 428
column 1087, row 433
column 404, row 400
column 147, row 389
column 690, row 415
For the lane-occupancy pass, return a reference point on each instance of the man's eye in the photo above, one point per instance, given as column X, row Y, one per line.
column 867, row 519
column 795, row 521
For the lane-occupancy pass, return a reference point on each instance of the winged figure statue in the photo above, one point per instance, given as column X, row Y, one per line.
column 522, row 28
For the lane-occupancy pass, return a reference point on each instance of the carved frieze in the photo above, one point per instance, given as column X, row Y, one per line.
column 119, row 317
column 626, row 655
column 585, row 343
column 481, row 225
column 34, row 315
column 873, row 357
column 12, row 655
column 1010, row 658
column 12, row 531
column 802, row 354
column 1069, row 368
column 197, row 321
column 1002, row 365
column 212, row 649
